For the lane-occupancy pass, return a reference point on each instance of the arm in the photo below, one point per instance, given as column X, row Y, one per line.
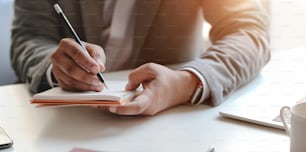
column 35, row 36
column 239, row 51
column 240, row 46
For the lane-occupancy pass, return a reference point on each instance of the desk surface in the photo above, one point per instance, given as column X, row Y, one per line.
column 184, row 128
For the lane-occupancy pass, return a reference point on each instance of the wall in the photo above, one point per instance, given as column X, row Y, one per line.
column 288, row 24
column 6, row 73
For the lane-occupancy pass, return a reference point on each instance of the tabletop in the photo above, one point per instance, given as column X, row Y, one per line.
column 184, row 128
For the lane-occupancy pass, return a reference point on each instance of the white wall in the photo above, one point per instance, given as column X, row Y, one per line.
column 6, row 73
column 288, row 24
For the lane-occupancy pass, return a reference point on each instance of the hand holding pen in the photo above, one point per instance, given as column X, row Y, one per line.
column 77, row 65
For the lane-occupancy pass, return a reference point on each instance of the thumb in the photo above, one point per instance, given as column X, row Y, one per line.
column 140, row 75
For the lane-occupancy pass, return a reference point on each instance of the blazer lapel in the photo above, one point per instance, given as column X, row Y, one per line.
column 146, row 11
column 92, row 11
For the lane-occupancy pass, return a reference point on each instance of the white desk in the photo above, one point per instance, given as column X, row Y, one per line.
column 181, row 129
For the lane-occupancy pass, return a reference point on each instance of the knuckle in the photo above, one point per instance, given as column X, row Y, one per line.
column 151, row 68
column 75, row 53
column 70, row 70
column 99, row 53
column 64, row 41
column 88, row 62
column 150, row 65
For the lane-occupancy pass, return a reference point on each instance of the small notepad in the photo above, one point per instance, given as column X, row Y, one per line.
column 114, row 96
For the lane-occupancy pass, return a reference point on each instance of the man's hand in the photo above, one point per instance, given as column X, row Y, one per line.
column 163, row 88
column 74, row 69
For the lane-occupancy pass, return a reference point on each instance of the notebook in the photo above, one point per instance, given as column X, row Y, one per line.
column 280, row 83
column 260, row 117
column 114, row 96
column 261, row 103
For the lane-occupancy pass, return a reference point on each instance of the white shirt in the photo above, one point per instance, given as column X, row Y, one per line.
column 120, row 30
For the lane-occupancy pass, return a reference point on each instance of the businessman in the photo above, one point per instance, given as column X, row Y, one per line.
column 143, row 35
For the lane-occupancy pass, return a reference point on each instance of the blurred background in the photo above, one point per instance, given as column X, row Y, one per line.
column 7, row 75
column 287, row 30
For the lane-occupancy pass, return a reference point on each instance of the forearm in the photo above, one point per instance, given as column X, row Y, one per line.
column 226, row 69
column 34, row 37
column 30, row 61
column 240, row 47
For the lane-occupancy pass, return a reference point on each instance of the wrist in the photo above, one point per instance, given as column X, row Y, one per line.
column 193, row 87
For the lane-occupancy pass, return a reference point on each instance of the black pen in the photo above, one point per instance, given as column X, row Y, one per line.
column 76, row 37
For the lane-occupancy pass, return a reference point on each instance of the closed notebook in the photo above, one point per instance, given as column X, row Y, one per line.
column 114, row 96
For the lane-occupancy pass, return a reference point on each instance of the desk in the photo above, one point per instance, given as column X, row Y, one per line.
column 181, row 129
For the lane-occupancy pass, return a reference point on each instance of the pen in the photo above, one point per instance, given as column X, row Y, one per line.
column 76, row 37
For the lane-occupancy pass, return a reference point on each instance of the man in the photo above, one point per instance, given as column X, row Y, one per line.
column 142, row 34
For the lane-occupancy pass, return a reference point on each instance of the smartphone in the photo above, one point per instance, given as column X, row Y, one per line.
column 5, row 140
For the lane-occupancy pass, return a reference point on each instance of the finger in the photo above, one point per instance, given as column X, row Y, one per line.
column 97, row 53
column 70, row 68
column 72, row 85
column 68, row 83
column 136, row 107
column 78, row 55
column 141, row 74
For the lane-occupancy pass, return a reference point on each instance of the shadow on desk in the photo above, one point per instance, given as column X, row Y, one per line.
column 87, row 123
column 251, row 125
column 83, row 123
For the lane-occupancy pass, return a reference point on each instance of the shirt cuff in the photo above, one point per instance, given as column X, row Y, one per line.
column 206, row 91
column 49, row 77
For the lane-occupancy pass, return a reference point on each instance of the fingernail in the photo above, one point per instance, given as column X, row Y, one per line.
column 113, row 109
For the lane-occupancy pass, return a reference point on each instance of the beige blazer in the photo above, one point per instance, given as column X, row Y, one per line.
column 166, row 32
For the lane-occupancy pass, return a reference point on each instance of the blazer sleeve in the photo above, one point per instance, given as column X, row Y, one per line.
column 239, row 50
column 35, row 36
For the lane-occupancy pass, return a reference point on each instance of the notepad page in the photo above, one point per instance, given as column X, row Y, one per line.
column 115, row 92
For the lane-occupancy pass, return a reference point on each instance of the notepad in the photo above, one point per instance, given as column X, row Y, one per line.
column 57, row 97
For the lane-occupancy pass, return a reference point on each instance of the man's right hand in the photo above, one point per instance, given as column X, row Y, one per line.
column 74, row 69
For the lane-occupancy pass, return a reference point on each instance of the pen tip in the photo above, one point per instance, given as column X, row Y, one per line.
column 105, row 85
